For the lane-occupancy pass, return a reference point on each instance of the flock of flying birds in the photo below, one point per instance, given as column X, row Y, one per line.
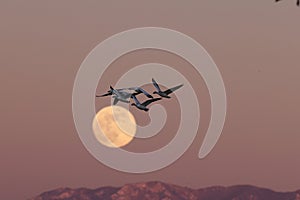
column 125, row 94
column 298, row 2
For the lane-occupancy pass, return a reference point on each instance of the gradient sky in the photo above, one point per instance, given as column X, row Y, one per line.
column 254, row 43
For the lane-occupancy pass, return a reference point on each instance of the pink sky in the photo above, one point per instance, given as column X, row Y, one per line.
column 255, row 44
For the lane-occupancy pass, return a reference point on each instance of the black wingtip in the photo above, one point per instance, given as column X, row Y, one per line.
column 157, row 99
column 101, row 95
column 178, row 86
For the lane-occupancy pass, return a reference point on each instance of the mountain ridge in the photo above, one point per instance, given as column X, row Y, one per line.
column 157, row 190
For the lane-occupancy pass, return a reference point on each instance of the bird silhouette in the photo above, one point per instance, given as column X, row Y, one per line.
column 123, row 95
column 120, row 96
column 143, row 106
column 165, row 93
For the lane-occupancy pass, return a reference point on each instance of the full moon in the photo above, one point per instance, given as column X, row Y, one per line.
column 114, row 126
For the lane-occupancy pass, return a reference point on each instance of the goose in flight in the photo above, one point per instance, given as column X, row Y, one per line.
column 137, row 90
column 166, row 92
column 123, row 95
column 298, row 2
column 143, row 106
column 120, row 95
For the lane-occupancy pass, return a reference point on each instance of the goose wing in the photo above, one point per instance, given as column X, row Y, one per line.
column 103, row 95
column 146, row 103
column 140, row 90
column 145, row 93
column 155, row 85
column 135, row 100
column 115, row 101
column 122, row 89
column 169, row 91
column 116, row 92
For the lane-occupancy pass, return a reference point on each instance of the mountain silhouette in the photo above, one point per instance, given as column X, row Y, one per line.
column 162, row 191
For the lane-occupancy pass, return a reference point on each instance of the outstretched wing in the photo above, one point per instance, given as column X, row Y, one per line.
column 122, row 89
column 145, row 93
column 169, row 91
column 146, row 103
column 135, row 100
column 155, row 85
column 116, row 100
column 116, row 92
column 140, row 90
column 104, row 95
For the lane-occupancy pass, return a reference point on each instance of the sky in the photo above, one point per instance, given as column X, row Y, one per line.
column 254, row 43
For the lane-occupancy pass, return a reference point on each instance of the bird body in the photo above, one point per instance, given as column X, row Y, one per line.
column 143, row 106
column 123, row 95
column 117, row 99
column 120, row 95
